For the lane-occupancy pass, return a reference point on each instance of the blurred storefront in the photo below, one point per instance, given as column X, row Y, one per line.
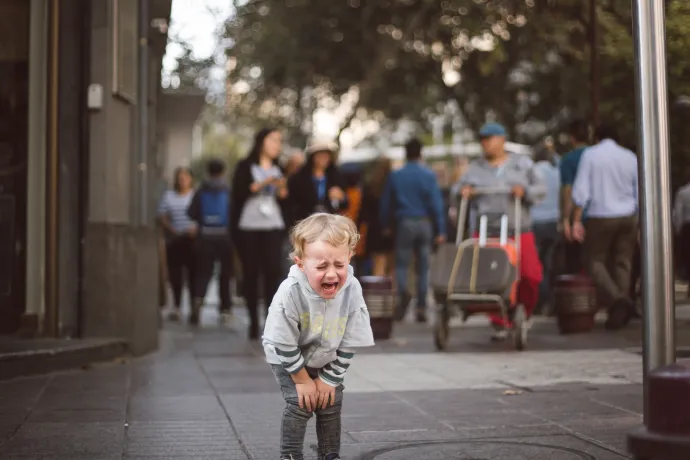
column 79, row 166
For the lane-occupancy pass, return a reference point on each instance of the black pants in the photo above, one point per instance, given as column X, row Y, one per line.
column 546, row 236
column 180, row 255
column 684, row 251
column 210, row 250
column 261, row 253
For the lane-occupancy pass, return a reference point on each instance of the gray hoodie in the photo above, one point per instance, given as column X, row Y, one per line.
column 303, row 329
column 517, row 170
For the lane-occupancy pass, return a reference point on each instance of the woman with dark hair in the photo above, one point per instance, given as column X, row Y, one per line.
column 258, row 191
column 378, row 246
column 317, row 186
column 179, row 232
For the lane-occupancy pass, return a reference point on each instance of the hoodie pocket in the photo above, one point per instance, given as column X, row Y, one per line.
column 320, row 358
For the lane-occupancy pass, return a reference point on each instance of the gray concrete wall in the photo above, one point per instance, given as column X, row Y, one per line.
column 120, row 286
column 178, row 113
column 121, row 295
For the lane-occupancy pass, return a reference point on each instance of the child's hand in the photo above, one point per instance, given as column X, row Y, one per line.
column 307, row 395
column 325, row 393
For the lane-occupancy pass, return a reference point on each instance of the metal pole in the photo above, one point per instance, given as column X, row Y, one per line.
column 143, row 112
column 652, row 115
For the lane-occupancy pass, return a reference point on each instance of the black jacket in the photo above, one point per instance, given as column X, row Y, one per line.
column 241, row 181
column 304, row 199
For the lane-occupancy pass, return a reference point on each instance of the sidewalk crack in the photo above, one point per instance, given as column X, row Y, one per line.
column 216, row 393
column 30, row 410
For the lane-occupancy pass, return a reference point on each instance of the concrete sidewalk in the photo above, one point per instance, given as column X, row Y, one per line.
column 208, row 395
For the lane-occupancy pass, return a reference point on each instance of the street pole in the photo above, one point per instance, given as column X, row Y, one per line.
column 666, row 433
column 656, row 229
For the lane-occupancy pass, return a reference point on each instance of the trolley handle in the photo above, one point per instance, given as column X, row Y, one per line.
column 464, row 204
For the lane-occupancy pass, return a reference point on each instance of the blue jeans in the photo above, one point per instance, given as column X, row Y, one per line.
column 413, row 237
column 295, row 420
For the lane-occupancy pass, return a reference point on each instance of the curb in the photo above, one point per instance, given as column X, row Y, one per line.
column 59, row 356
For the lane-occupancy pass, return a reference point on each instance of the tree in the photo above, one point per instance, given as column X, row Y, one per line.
column 190, row 72
column 525, row 63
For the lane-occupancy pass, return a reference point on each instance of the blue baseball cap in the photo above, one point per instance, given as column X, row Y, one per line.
column 492, row 129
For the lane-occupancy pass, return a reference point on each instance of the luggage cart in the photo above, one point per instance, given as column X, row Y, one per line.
column 455, row 294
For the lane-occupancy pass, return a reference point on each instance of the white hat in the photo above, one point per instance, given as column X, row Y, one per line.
column 321, row 145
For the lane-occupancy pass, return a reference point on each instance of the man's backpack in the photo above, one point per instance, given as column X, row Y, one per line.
column 215, row 208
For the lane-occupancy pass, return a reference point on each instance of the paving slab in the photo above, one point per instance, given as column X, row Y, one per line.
column 208, row 395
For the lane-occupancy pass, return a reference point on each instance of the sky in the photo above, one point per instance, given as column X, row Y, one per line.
column 195, row 22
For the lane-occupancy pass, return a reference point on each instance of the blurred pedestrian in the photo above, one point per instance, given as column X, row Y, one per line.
column 570, row 250
column 412, row 194
column 377, row 244
column 293, row 164
column 259, row 189
column 681, row 223
column 318, row 185
column 606, row 185
column 179, row 231
column 210, row 209
column 545, row 216
column 515, row 173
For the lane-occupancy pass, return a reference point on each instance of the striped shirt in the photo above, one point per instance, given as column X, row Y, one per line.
column 332, row 373
column 174, row 206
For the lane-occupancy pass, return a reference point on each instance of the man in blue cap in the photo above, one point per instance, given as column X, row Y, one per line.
column 499, row 169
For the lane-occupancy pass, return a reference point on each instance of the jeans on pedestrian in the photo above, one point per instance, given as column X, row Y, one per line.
column 295, row 419
column 546, row 235
column 414, row 237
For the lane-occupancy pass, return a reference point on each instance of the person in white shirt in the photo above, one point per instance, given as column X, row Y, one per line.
column 681, row 224
column 606, row 185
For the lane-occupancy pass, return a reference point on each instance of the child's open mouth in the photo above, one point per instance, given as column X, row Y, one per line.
column 329, row 288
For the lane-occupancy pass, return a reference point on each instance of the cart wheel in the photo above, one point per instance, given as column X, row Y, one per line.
column 442, row 328
column 520, row 327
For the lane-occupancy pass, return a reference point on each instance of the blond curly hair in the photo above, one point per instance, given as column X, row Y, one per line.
column 331, row 228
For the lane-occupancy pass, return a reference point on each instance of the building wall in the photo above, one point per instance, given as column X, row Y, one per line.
column 178, row 113
column 71, row 125
column 120, row 284
column 178, row 147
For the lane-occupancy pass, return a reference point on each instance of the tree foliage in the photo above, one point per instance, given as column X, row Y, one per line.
column 525, row 63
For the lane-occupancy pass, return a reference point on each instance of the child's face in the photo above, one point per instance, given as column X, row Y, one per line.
column 325, row 266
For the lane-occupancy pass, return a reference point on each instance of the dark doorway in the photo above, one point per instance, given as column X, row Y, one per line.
column 14, row 103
